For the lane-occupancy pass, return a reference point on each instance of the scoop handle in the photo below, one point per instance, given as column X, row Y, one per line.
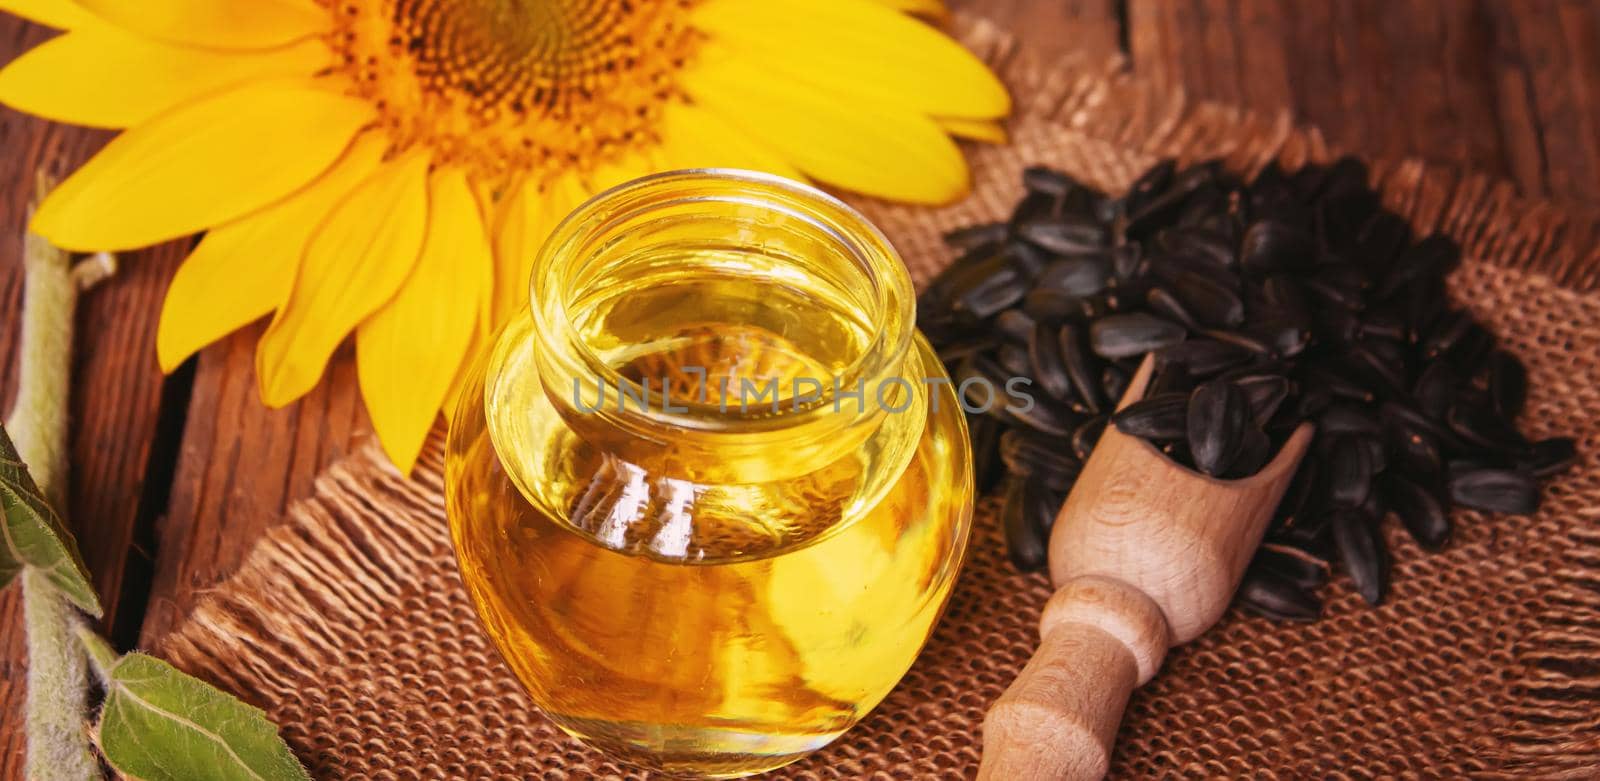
column 1099, row 639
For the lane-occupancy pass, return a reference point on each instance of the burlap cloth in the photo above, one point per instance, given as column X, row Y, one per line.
column 349, row 626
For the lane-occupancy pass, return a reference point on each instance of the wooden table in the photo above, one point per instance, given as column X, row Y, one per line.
column 173, row 478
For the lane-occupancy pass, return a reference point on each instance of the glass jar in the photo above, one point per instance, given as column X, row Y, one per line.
column 710, row 494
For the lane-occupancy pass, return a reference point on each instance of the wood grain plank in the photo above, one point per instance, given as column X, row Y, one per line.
column 1548, row 86
column 1264, row 55
column 116, row 391
column 240, row 467
column 1383, row 78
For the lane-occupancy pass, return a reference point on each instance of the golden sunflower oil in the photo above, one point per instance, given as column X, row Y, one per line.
column 693, row 545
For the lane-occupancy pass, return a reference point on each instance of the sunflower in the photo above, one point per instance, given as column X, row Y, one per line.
column 389, row 167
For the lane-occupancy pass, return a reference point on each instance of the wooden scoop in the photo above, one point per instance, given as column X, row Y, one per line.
column 1144, row 555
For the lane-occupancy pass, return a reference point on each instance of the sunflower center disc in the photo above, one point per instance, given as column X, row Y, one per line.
column 511, row 87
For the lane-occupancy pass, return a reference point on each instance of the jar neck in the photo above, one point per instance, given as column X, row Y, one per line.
column 724, row 325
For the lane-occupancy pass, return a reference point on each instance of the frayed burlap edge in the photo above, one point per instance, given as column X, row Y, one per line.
column 292, row 605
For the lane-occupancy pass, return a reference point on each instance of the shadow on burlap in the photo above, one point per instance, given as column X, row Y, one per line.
column 348, row 623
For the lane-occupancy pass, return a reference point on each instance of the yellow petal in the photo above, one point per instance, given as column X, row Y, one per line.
column 101, row 76
column 975, row 129
column 864, row 146
column 695, row 138
column 458, row 385
column 354, row 263
column 201, row 165
column 60, row 14
column 229, row 24
column 409, row 352
column 933, row 9
column 525, row 221
column 860, row 50
column 243, row 270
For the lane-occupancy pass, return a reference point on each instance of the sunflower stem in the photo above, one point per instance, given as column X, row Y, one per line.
column 38, row 422
column 58, row 745
column 58, row 740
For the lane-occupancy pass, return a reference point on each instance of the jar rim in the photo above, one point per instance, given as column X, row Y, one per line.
column 881, row 265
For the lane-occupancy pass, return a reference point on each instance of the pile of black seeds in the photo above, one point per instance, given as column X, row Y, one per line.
column 1289, row 298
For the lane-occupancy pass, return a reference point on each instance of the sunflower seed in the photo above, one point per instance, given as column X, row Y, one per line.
column 1446, row 333
column 1039, row 179
column 1163, row 416
column 1080, row 366
column 1134, row 333
column 1343, row 417
column 1041, row 504
column 1286, row 339
column 1045, row 304
column 1496, row 490
column 1431, row 257
column 1271, row 596
column 1304, row 485
column 1170, row 378
column 974, row 236
column 1419, row 510
column 1378, row 324
column 1284, row 293
column 1337, row 381
column 956, row 350
column 1255, row 450
column 1006, row 286
column 1350, row 470
column 1548, row 456
column 1128, row 263
column 1415, row 451
column 1302, row 571
column 1014, row 358
column 1339, row 285
column 1483, row 427
column 1014, row 325
column 1210, row 302
column 1204, row 357
column 1027, row 259
column 1417, row 421
column 1249, row 341
column 1047, row 416
column 1114, row 381
column 1313, row 400
column 987, row 466
column 1025, row 544
column 1034, row 206
column 1361, row 552
column 1049, row 367
column 1508, row 383
column 1211, row 244
column 1029, row 454
column 1218, row 413
column 1382, row 239
column 1151, row 183
column 1164, row 303
column 1078, row 276
column 1063, row 234
column 1265, row 393
column 1269, row 245
column 1435, row 389
column 1381, row 361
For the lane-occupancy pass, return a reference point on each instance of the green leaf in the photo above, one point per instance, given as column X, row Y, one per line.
column 34, row 535
column 160, row 724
